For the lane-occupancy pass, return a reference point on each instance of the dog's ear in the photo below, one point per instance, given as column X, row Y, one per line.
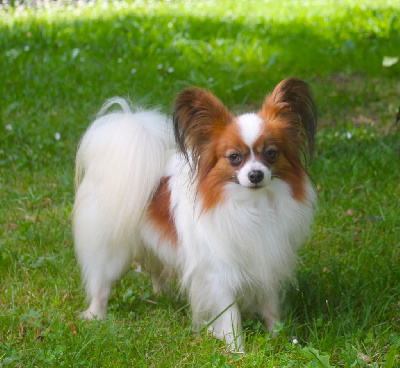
column 199, row 116
column 291, row 101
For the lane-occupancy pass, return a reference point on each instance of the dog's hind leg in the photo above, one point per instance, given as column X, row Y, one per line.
column 102, row 262
column 269, row 311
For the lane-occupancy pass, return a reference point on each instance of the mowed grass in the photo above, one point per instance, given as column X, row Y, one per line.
column 60, row 62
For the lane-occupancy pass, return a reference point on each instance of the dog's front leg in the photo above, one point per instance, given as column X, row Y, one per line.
column 227, row 326
column 214, row 303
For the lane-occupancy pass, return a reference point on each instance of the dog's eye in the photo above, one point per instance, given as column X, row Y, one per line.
column 235, row 159
column 271, row 155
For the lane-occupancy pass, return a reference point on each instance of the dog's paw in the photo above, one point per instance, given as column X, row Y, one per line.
column 234, row 342
column 89, row 315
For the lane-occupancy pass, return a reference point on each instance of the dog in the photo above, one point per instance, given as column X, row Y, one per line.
column 218, row 201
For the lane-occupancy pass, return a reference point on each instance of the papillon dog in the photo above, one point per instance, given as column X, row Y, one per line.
column 219, row 202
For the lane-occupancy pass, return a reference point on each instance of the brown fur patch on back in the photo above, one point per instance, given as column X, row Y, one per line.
column 159, row 212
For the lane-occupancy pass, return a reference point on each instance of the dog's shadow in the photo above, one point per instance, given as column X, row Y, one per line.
column 310, row 299
column 321, row 299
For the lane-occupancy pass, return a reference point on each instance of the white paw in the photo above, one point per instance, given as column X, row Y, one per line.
column 233, row 341
column 91, row 316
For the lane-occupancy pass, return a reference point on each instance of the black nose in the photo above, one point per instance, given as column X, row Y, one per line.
column 256, row 176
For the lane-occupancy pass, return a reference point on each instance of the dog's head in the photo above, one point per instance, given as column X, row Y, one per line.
column 251, row 149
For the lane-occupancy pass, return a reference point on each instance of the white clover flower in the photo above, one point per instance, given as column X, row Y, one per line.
column 170, row 70
column 294, row 341
column 57, row 136
column 133, row 71
column 119, row 60
column 27, row 48
column 9, row 127
column 159, row 66
column 75, row 53
column 388, row 61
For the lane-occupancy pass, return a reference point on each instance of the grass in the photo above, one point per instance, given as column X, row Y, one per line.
column 59, row 62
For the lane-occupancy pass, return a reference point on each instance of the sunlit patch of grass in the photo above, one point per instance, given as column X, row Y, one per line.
column 59, row 61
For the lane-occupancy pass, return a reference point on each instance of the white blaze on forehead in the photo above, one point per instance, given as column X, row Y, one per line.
column 250, row 131
column 250, row 128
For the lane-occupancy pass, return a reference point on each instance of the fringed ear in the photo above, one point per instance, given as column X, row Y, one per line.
column 291, row 101
column 198, row 117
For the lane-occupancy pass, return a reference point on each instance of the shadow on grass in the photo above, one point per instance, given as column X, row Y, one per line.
column 240, row 60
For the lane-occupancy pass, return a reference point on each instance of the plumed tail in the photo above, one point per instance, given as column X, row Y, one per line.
column 119, row 163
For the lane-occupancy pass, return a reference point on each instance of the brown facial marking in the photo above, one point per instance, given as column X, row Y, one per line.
column 231, row 142
column 287, row 165
column 159, row 212
column 211, row 184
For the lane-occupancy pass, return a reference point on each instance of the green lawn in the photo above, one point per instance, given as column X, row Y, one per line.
column 58, row 64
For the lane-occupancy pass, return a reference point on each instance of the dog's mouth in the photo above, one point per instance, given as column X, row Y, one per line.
column 252, row 187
